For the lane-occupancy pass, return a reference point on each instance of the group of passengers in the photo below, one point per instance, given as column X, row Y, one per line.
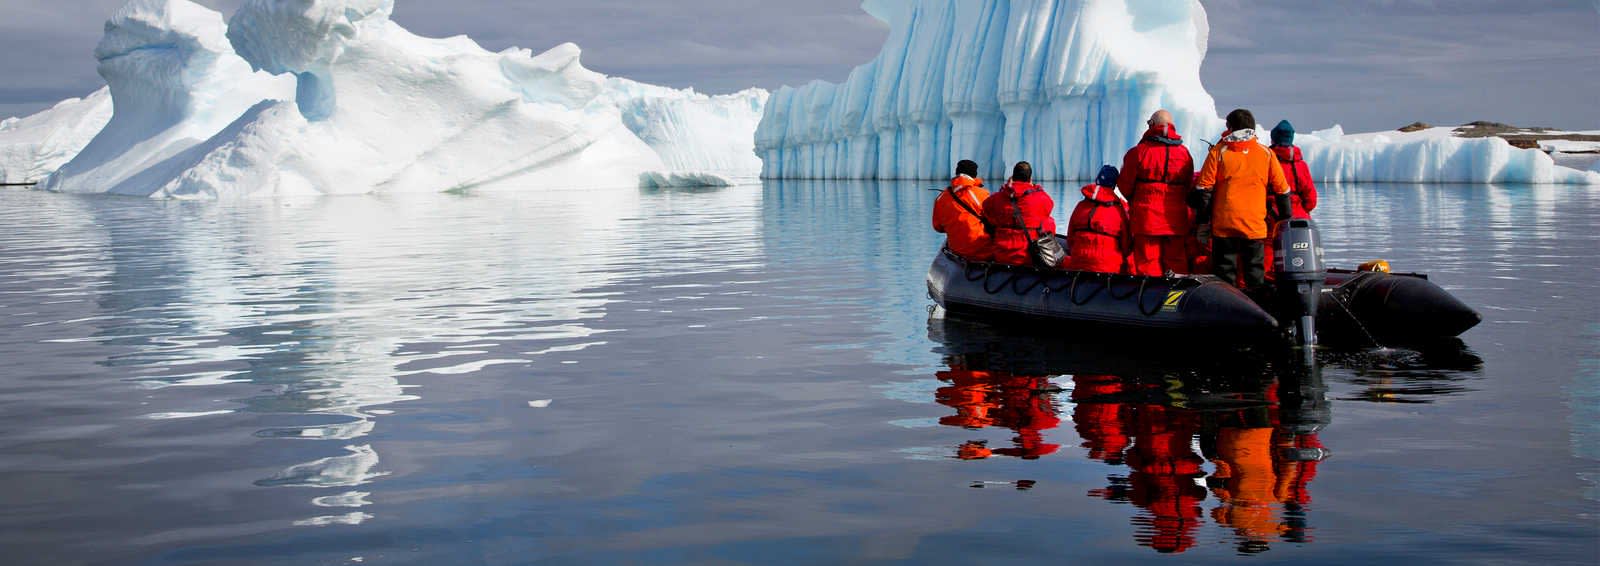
column 1156, row 216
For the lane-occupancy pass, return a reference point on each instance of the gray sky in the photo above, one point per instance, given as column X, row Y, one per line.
column 1368, row 64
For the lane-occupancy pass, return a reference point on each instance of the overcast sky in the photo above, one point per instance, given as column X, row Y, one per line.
column 1368, row 64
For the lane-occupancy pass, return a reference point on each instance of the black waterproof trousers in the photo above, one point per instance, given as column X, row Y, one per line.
column 1229, row 255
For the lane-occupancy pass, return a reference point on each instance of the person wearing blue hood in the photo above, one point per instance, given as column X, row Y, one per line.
column 1302, row 190
column 1098, row 235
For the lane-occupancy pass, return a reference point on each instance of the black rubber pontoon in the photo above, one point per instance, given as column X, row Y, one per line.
column 1190, row 303
column 1311, row 301
column 1398, row 307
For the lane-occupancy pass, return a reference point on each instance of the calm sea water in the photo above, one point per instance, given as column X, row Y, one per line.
column 752, row 375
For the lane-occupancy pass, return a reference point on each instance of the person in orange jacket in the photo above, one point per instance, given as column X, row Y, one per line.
column 1238, row 175
column 1098, row 237
column 958, row 214
column 1156, row 176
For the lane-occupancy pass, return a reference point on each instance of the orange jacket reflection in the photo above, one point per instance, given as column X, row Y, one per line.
column 1256, row 478
column 983, row 399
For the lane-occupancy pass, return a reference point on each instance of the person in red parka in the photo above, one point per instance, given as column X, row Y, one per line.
column 1302, row 189
column 1097, row 234
column 1022, row 200
column 1156, row 177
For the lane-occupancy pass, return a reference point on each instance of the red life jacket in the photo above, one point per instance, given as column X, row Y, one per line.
column 1302, row 189
column 1011, row 240
column 1156, row 177
column 1098, row 238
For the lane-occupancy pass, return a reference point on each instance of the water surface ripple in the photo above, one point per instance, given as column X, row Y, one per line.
column 752, row 375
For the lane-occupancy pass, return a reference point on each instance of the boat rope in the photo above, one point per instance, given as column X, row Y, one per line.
column 1015, row 278
column 1072, row 296
column 996, row 290
column 1036, row 282
column 1114, row 294
column 1353, row 318
column 1150, row 312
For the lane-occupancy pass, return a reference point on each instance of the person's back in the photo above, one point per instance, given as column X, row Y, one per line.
column 1156, row 176
column 958, row 214
column 1302, row 188
column 1019, row 213
column 1239, row 172
column 1097, row 233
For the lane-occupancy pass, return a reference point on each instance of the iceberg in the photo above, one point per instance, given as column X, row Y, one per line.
column 33, row 147
column 294, row 97
column 1433, row 155
column 174, row 82
column 1066, row 85
column 1062, row 84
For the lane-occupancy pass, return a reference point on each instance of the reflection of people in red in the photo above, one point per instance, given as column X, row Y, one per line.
column 1164, row 466
column 1101, row 416
column 1165, row 469
column 982, row 399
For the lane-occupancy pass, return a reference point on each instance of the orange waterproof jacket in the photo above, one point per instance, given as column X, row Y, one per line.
column 963, row 229
column 1241, row 171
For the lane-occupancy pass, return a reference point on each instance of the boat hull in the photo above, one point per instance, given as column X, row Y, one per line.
column 1353, row 306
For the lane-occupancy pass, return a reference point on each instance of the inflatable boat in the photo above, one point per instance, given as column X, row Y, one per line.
column 1310, row 301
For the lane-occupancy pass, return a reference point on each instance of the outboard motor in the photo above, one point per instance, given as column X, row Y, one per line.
column 1300, row 274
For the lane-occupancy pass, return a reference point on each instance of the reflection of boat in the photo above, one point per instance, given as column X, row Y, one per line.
column 1311, row 300
column 1256, row 420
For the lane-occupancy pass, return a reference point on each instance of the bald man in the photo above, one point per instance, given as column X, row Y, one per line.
column 1156, row 178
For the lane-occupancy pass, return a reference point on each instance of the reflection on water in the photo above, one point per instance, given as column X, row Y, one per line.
column 731, row 375
column 1257, row 424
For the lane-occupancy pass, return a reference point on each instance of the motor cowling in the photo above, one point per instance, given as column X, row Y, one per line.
column 1300, row 274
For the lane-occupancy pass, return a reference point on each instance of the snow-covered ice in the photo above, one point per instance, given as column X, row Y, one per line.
column 35, row 146
column 1433, row 156
column 331, row 96
column 174, row 82
column 1569, row 146
column 1066, row 85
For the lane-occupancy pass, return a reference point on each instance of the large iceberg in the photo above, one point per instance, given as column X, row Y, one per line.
column 1065, row 84
column 331, row 96
column 1062, row 84
column 174, row 82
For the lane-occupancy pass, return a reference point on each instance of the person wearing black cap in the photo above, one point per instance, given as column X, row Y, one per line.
column 1238, row 175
